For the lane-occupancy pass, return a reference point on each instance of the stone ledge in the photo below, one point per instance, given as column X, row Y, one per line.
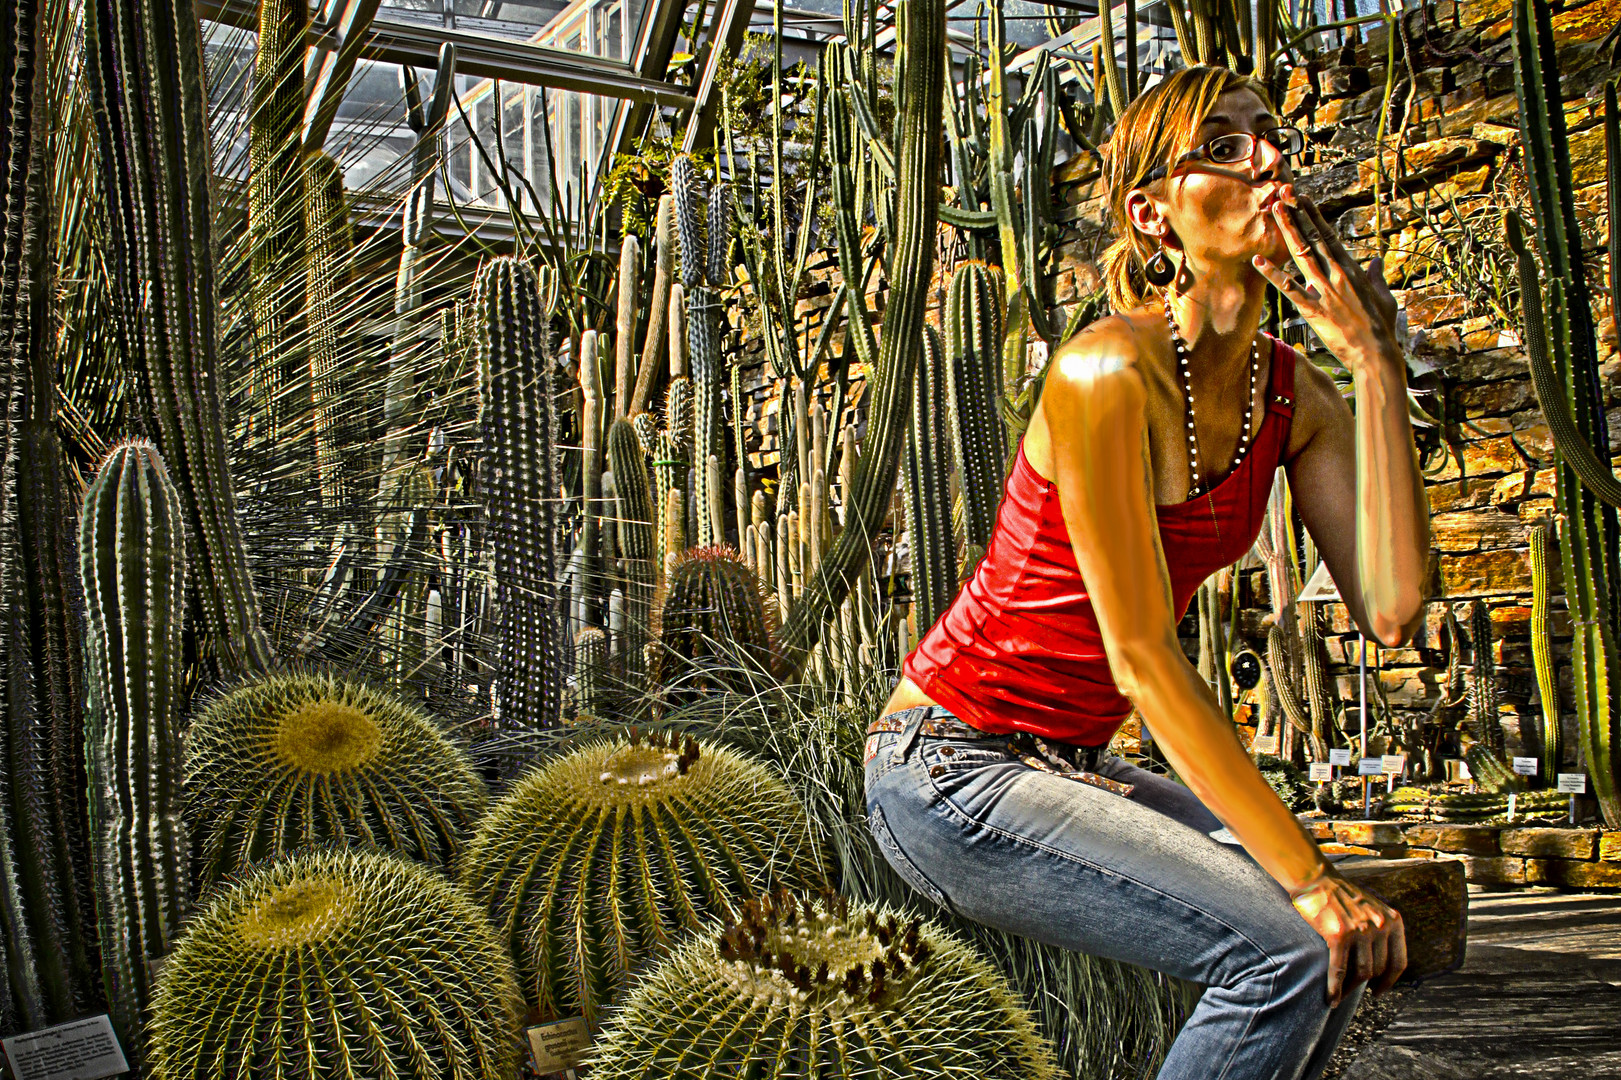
column 1574, row 858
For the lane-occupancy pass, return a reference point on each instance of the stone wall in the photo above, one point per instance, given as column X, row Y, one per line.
column 1491, row 854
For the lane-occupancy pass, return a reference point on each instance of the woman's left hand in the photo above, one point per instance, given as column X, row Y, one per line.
column 1351, row 310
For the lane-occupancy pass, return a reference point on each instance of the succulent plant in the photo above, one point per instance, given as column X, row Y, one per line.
column 132, row 554
column 295, row 759
column 927, row 486
column 822, row 987
column 601, row 858
column 339, row 963
column 714, row 627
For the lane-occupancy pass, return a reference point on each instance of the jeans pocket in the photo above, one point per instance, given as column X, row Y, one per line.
column 897, row 858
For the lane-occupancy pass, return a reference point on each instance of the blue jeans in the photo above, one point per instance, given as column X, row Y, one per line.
column 1152, row 879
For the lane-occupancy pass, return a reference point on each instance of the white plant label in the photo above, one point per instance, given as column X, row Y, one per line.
column 558, row 1046
column 1525, row 766
column 1264, row 744
column 1369, row 766
column 78, row 1050
column 1342, row 756
column 1573, row 783
column 1392, row 764
column 1320, row 771
column 1463, row 770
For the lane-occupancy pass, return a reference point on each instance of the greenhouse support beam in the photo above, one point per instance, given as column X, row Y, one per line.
column 327, row 70
column 726, row 34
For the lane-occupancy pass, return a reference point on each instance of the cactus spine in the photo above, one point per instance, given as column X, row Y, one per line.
column 714, row 625
column 1562, row 351
column 133, row 569
column 928, row 489
column 919, row 78
column 974, row 330
column 833, row 987
column 153, row 153
column 635, row 513
column 339, row 963
column 601, row 858
column 294, row 760
column 326, row 271
column 519, row 436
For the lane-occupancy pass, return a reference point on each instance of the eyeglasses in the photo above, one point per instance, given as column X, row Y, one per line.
column 1236, row 148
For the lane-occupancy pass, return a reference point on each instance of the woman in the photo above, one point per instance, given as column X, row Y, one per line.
column 1146, row 467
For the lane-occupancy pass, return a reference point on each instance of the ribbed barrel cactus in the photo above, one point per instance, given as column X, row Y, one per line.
column 715, row 629
column 342, row 964
column 295, row 759
column 601, row 858
column 826, row 988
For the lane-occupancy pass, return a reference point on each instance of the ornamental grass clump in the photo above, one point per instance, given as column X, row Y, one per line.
column 338, row 963
column 290, row 760
column 602, row 858
column 821, row 987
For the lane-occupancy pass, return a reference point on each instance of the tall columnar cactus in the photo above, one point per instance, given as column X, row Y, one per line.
column 658, row 323
column 928, row 490
column 974, row 330
column 703, row 318
column 133, row 569
column 839, row 989
column 47, row 936
column 293, row 760
column 1553, row 742
column 519, row 439
column 276, row 223
column 689, row 223
column 143, row 62
column 333, row 382
column 919, row 78
column 341, row 963
column 601, row 859
column 634, row 491
column 717, row 268
column 1562, row 351
column 715, row 628
column 1485, row 757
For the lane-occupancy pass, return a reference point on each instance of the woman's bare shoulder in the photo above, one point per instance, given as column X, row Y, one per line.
column 1110, row 346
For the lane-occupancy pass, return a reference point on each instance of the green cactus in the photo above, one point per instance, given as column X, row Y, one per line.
column 1474, row 808
column 340, row 963
column 704, row 314
column 333, row 380
column 591, row 670
column 47, row 934
column 974, row 331
column 1321, row 692
column 297, row 759
column 1287, row 780
column 592, row 405
column 715, row 629
column 406, row 632
column 143, row 65
column 928, row 489
column 919, row 79
column 633, row 490
column 658, row 325
column 835, row 988
column 1483, row 705
column 520, row 443
column 1561, row 348
column 689, row 225
column 133, row 570
column 718, row 267
column 1553, row 747
column 600, row 859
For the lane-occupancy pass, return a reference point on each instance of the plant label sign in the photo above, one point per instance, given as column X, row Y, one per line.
column 1392, row 764
column 557, row 1047
column 1264, row 744
column 1525, row 766
column 1573, row 783
column 1369, row 766
column 1342, row 756
column 83, row 1049
column 1320, row 771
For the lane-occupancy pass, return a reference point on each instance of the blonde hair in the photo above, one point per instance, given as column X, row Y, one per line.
column 1157, row 127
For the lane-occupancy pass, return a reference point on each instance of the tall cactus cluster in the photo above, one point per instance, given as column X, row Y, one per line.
column 1561, row 347
column 132, row 549
column 337, row 963
column 294, row 760
column 836, row 988
column 604, row 857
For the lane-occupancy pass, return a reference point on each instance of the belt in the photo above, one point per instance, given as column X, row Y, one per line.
column 1077, row 762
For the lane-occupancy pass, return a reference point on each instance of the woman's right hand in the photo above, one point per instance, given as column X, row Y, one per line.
column 1366, row 939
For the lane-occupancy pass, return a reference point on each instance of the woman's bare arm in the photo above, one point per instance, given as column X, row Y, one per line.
column 1094, row 401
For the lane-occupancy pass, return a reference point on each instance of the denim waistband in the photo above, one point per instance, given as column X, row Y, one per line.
column 1084, row 758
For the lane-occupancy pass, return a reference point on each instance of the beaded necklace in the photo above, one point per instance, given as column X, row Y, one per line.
column 1187, row 391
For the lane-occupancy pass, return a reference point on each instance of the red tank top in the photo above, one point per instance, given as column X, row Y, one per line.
column 1019, row 648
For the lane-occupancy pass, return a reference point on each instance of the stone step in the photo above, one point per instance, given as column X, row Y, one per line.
column 1433, row 900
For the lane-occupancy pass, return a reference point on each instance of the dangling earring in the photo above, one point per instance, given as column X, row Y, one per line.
column 1159, row 271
